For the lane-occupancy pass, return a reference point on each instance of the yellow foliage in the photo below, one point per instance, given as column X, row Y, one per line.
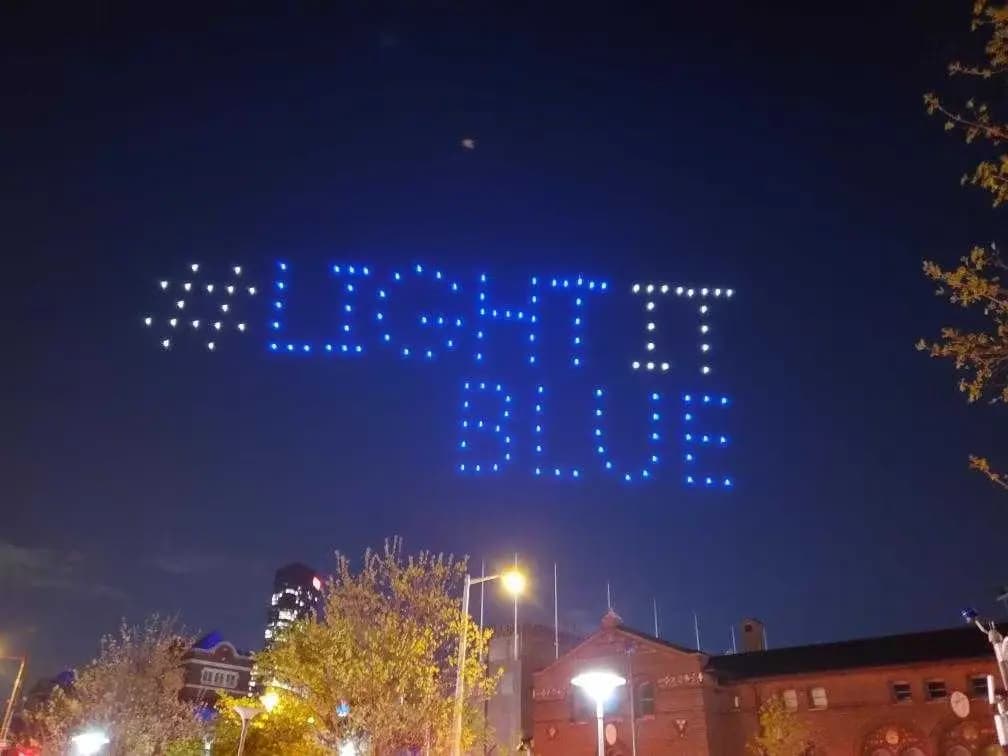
column 385, row 644
column 780, row 732
column 980, row 355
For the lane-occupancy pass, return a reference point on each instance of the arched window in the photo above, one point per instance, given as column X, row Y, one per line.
column 644, row 705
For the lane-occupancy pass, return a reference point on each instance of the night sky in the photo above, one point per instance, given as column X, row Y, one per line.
column 781, row 150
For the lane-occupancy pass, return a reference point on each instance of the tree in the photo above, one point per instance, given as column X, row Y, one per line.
column 378, row 664
column 780, row 731
column 131, row 691
column 288, row 729
column 980, row 354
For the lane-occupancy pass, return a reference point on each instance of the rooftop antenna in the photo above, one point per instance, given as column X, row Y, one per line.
column 482, row 583
column 608, row 596
column 696, row 629
column 516, row 613
column 734, row 648
column 654, row 608
column 556, row 615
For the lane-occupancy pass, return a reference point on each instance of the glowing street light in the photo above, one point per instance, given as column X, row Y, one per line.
column 89, row 742
column 269, row 700
column 599, row 685
column 514, row 583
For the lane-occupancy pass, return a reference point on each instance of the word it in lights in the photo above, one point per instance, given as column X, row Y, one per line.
column 458, row 328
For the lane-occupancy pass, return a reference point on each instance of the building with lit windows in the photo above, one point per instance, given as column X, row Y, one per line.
column 297, row 591
column 920, row 694
column 212, row 666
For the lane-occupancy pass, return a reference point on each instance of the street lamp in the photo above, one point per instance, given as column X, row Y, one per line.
column 89, row 742
column 269, row 700
column 514, row 583
column 247, row 713
column 9, row 711
column 599, row 685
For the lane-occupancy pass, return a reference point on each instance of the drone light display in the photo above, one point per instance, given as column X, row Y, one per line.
column 455, row 324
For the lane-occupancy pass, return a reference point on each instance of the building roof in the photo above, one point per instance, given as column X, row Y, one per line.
column 890, row 650
column 209, row 641
column 658, row 641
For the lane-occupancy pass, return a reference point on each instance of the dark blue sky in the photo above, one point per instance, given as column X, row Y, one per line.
column 781, row 150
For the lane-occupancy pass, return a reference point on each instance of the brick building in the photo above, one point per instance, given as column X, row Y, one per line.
column 213, row 665
column 888, row 696
column 509, row 712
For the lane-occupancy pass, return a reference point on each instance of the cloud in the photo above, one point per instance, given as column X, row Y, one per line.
column 39, row 568
column 197, row 562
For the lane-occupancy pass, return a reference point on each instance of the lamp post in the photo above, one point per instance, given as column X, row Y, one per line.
column 514, row 583
column 9, row 711
column 89, row 742
column 247, row 713
column 599, row 685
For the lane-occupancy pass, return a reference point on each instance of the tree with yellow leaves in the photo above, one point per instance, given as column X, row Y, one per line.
column 980, row 355
column 780, row 731
column 287, row 728
column 378, row 664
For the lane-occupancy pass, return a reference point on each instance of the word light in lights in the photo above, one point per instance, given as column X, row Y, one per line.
column 457, row 322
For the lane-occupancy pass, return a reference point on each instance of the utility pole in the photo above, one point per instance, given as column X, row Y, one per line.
column 9, row 712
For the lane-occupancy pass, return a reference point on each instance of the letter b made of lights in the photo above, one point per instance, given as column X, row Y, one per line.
column 456, row 327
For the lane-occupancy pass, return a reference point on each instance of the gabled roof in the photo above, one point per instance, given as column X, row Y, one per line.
column 890, row 650
column 637, row 635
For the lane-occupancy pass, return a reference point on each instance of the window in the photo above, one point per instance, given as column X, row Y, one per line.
column 644, row 705
column 817, row 698
column 978, row 686
column 935, row 690
column 217, row 679
column 790, row 698
column 901, row 692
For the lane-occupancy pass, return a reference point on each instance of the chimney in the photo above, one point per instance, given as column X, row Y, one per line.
column 611, row 620
column 753, row 636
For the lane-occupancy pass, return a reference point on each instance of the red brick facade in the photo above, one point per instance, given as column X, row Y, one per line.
column 691, row 704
